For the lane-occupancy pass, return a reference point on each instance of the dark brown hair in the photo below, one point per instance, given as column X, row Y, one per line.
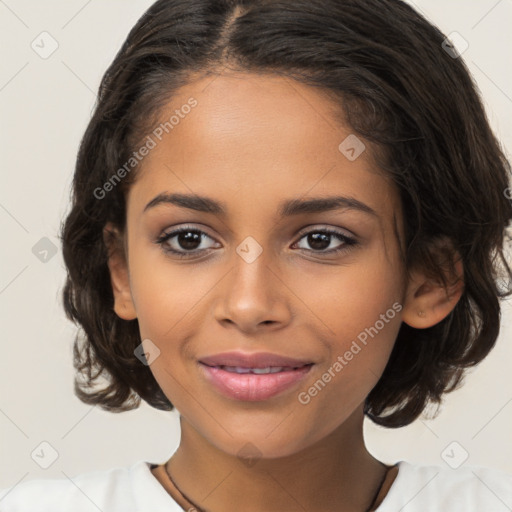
column 399, row 89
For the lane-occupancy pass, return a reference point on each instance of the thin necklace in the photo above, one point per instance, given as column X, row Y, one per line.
column 201, row 510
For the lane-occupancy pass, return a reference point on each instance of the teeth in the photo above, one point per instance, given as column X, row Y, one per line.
column 268, row 369
column 258, row 371
column 236, row 369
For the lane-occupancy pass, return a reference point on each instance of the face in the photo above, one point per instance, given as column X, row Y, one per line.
column 322, row 285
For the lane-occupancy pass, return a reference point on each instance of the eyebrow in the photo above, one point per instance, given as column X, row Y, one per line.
column 288, row 208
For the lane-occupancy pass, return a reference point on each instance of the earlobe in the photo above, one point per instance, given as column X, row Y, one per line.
column 119, row 275
column 428, row 302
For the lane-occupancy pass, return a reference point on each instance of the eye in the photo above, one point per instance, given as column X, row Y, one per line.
column 186, row 242
column 321, row 239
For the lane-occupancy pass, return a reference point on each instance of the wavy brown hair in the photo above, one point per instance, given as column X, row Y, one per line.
column 413, row 102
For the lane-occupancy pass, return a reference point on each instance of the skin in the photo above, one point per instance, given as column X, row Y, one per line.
column 252, row 142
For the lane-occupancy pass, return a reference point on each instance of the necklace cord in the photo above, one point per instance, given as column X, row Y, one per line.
column 369, row 509
column 179, row 490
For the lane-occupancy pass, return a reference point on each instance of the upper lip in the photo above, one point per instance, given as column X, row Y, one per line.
column 253, row 360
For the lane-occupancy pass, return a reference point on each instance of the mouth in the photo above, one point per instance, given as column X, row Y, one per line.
column 255, row 381
column 258, row 371
column 232, row 361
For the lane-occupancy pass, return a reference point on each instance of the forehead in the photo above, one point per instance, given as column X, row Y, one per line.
column 253, row 140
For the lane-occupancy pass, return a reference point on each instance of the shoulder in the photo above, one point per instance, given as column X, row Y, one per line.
column 465, row 489
column 87, row 492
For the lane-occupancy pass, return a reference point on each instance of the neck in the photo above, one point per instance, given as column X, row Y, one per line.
column 335, row 474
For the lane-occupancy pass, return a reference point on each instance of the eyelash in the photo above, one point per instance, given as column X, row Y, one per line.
column 348, row 242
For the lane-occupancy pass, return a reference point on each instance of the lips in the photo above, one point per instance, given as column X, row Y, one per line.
column 253, row 377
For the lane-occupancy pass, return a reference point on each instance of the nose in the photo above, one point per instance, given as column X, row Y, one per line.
column 253, row 296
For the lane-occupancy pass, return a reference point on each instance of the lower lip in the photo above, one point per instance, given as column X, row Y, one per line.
column 253, row 387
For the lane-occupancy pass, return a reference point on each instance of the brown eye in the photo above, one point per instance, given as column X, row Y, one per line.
column 186, row 242
column 320, row 240
column 182, row 241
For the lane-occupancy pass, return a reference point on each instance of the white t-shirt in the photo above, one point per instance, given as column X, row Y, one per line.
column 135, row 489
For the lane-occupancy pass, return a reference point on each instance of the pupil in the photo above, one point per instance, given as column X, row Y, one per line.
column 190, row 240
column 319, row 240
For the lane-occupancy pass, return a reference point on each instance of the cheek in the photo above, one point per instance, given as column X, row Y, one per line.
column 361, row 308
column 354, row 367
column 165, row 294
column 350, row 298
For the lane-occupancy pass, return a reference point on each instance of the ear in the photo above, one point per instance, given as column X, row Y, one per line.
column 428, row 300
column 119, row 275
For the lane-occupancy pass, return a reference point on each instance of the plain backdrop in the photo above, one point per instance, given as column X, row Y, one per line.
column 46, row 104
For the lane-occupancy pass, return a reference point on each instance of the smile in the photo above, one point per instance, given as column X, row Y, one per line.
column 258, row 371
column 253, row 384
